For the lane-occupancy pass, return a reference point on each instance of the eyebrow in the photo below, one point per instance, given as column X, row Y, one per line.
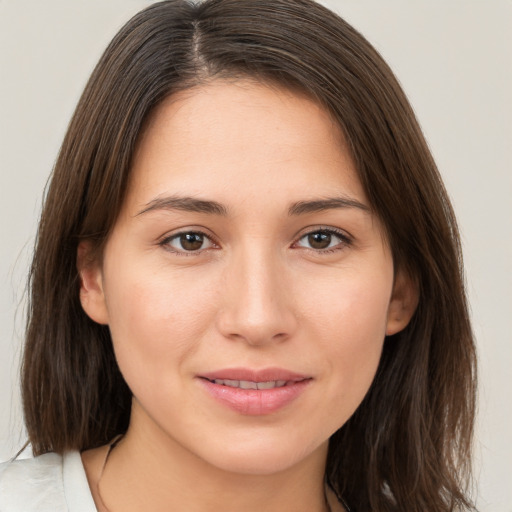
column 186, row 204
column 330, row 203
column 191, row 204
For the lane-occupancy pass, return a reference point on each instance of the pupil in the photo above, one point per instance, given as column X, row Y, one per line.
column 319, row 240
column 191, row 241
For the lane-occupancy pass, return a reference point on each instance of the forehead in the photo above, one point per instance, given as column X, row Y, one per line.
column 241, row 136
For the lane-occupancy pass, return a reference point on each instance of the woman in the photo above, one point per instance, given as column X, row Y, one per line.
column 246, row 292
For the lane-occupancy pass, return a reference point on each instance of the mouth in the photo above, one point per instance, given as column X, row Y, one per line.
column 249, row 384
column 255, row 392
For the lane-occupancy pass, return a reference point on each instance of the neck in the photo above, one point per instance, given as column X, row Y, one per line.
column 144, row 473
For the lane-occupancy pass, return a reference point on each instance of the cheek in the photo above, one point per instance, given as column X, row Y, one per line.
column 348, row 322
column 155, row 320
column 352, row 306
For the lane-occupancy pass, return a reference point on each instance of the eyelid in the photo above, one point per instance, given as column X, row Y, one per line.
column 346, row 239
column 165, row 240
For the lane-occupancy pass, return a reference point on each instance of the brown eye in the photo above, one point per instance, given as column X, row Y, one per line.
column 189, row 242
column 323, row 239
column 319, row 240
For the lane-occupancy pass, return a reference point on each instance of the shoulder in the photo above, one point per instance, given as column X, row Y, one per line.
column 32, row 484
column 36, row 484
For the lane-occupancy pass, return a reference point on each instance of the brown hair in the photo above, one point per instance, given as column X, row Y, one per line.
column 407, row 447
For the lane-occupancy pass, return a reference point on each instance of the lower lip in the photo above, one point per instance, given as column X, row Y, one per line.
column 255, row 402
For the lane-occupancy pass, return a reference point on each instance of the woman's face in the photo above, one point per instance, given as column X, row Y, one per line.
column 247, row 285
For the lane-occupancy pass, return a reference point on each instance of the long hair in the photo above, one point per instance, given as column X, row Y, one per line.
column 407, row 447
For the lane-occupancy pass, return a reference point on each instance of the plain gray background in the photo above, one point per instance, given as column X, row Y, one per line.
column 454, row 60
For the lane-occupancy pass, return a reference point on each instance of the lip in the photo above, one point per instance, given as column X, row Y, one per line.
column 255, row 402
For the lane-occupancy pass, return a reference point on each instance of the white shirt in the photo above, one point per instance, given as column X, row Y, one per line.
column 48, row 483
column 55, row 483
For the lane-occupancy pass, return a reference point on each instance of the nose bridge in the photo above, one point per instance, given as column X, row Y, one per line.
column 256, row 306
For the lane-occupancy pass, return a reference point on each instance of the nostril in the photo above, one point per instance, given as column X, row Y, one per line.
column 257, row 316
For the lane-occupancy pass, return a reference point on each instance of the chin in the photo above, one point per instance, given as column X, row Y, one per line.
column 263, row 457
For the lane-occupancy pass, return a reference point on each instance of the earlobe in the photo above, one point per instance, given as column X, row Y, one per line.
column 92, row 295
column 403, row 303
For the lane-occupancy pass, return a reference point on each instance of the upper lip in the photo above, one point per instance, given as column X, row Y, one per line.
column 253, row 375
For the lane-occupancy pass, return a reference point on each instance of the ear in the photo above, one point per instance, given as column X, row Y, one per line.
column 92, row 296
column 403, row 303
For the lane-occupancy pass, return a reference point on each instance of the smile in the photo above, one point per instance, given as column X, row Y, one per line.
column 247, row 384
column 254, row 392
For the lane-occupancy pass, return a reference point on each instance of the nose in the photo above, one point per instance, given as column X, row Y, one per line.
column 257, row 305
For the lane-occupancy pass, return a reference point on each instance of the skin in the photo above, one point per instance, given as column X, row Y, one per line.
column 259, row 292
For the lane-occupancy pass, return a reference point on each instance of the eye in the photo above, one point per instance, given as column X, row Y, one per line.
column 188, row 241
column 323, row 239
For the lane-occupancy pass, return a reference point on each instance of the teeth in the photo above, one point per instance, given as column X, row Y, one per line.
column 267, row 385
column 247, row 384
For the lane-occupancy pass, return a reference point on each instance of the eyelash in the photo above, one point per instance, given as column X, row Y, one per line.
column 165, row 243
column 345, row 241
